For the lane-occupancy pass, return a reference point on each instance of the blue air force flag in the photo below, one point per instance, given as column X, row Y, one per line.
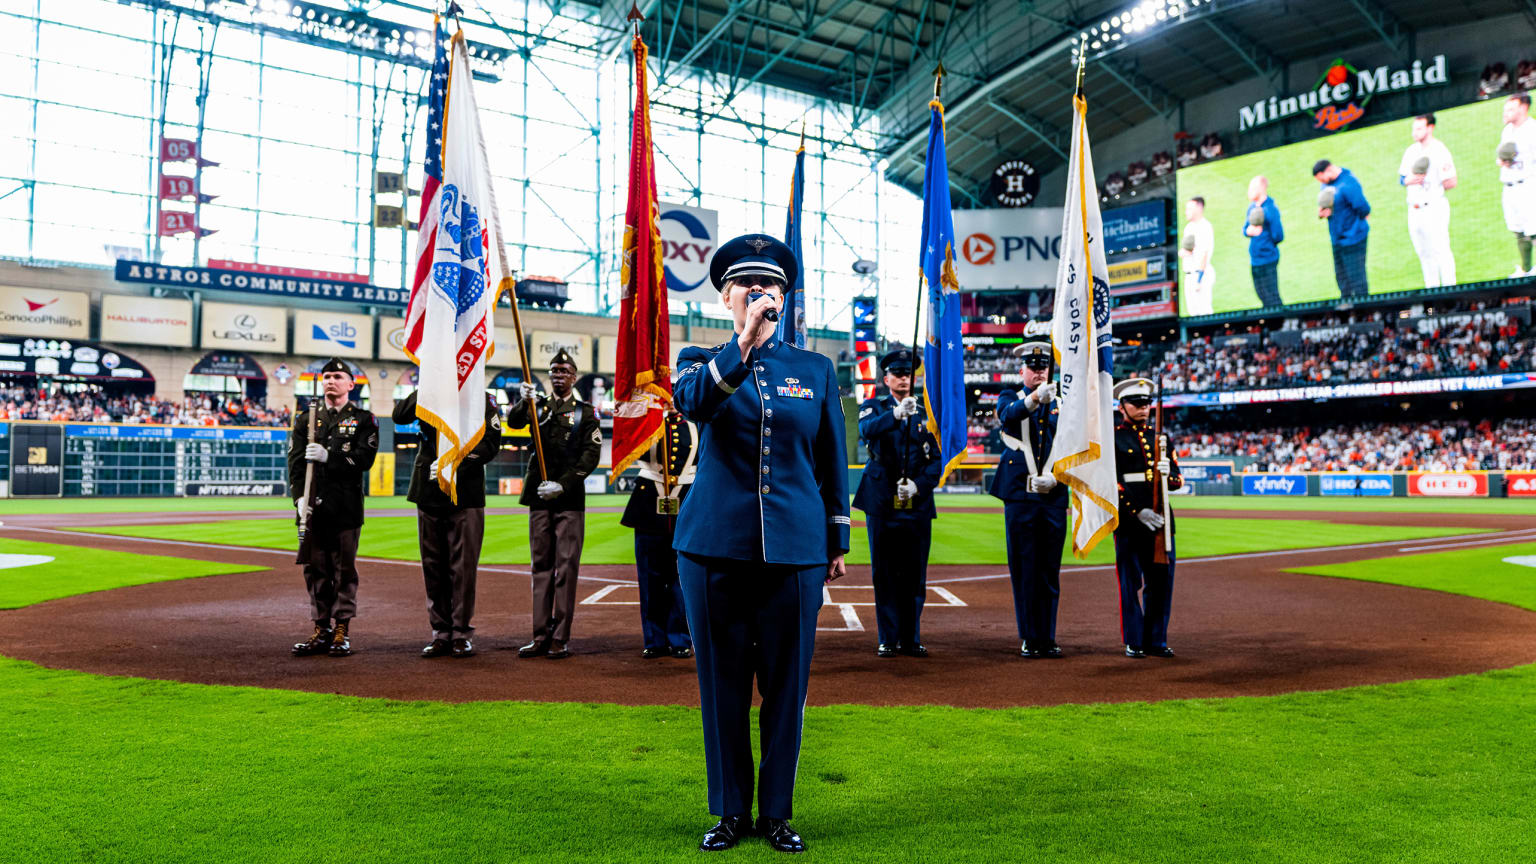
column 1083, row 454
column 943, row 355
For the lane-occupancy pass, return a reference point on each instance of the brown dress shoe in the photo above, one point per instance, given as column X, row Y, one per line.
column 318, row 642
column 534, row 649
column 463, row 648
column 437, row 648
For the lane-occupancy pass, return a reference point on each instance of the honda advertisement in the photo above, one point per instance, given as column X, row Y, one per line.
column 1439, row 484
column 1274, row 484
column 1356, row 485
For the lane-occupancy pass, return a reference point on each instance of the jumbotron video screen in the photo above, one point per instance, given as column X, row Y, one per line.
column 1432, row 196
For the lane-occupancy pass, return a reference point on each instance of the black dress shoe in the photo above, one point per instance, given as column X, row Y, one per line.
column 558, row 652
column 341, row 646
column 318, row 642
column 682, row 652
column 437, row 648
column 726, row 833
column 1160, row 651
column 463, row 648
column 1052, row 651
column 780, row 836
column 653, row 653
column 884, row 650
column 1030, row 651
column 1133, row 651
column 534, row 649
column 914, row 650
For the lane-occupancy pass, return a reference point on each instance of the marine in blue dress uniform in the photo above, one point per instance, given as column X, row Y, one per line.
column 1034, row 503
column 896, row 495
column 1146, row 584
column 764, row 528
column 666, row 475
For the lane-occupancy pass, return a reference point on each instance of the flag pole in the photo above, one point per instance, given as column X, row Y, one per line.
column 917, row 318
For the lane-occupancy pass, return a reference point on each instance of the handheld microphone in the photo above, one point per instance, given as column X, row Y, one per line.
column 771, row 314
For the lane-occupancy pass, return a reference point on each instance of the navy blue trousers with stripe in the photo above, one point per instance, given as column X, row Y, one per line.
column 1035, row 534
column 662, row 621
column 1146, row 592
column 898, row 562
column 751, row 620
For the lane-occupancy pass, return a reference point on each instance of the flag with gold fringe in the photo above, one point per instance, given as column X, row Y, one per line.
column 643, row 387
column 943, row 354
column 1083, row 453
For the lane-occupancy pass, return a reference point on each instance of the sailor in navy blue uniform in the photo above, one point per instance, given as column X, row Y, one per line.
column 1146, row 584
column 666, row 475
column 1034, row 504
column 896, row 495
column 764, row 528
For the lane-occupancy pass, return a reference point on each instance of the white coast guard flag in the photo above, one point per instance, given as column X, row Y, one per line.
column 461, row 269
column 1083, row 453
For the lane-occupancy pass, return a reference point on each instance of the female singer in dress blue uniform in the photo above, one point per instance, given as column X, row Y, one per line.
column 763, row 530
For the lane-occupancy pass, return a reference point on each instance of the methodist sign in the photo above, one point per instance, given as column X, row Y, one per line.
column 689, row 236
column 1341, row 93
column 1007, row 249
column 272, row 285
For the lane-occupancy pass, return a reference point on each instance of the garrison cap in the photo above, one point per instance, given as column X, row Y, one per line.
column 754, row 255
column 1325, row 197
column 1133, row 387
column 897, row 362
column 336, row 364
column 562, row 358
column 1256, row 217
column 1508, row 151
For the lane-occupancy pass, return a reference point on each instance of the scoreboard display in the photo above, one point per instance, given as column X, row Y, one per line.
column 195, row 461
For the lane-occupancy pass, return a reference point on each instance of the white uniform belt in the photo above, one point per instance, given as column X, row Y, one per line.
column 650, row 473
column 1134, row 477
column 1013, row 443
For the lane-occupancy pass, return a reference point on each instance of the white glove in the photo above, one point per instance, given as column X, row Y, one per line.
column 1042, row 395
column 549, row 490
column 1163, row 467
column 432, row 470
column 1150, row 519
column 316, row 453
column 905, row 408
column 1042, row 484
column 906, row 490
column 527, row 390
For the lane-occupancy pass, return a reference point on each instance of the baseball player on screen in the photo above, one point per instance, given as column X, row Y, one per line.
column 1427, row 173
column 1198, row 243
column 1517, row 171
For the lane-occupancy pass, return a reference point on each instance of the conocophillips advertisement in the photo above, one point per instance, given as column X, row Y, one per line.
column 245, row 328
column 40, row 313
column 146, row 321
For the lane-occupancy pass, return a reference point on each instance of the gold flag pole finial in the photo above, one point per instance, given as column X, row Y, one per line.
column 1082, row 60
column 938, row 79
column 802, row 131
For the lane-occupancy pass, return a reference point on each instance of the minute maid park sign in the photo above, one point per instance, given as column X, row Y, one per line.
column 1341, row 93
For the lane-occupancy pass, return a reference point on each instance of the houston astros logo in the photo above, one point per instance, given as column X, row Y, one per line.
column 758, row 244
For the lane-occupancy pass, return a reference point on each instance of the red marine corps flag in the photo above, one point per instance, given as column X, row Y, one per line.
column 643, row 389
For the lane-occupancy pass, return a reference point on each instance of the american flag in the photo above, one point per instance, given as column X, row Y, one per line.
column 426, row 240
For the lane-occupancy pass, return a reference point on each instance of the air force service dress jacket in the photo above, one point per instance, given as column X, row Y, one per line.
column 772, row 479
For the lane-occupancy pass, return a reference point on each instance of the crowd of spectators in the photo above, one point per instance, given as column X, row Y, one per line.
column 1486, row 344
column 96, row 406
column 1505, row 445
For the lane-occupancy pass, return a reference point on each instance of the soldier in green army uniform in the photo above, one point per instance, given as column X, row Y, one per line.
column 345, row 443
column 572, row 443
column 450, row 532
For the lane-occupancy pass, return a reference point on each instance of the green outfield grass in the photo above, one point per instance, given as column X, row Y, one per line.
column 1480, row 572
column 1525, row 506
column 77, row 570
column 126, row 770
column 1483, row 248
column 958, row 537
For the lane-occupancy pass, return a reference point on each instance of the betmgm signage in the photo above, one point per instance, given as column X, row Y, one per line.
column 1341, row 93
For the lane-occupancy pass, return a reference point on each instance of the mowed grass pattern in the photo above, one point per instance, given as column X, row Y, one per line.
column 77, row 570
column 958, row 537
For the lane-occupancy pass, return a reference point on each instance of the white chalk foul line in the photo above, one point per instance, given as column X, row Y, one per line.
column 1468, row 539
